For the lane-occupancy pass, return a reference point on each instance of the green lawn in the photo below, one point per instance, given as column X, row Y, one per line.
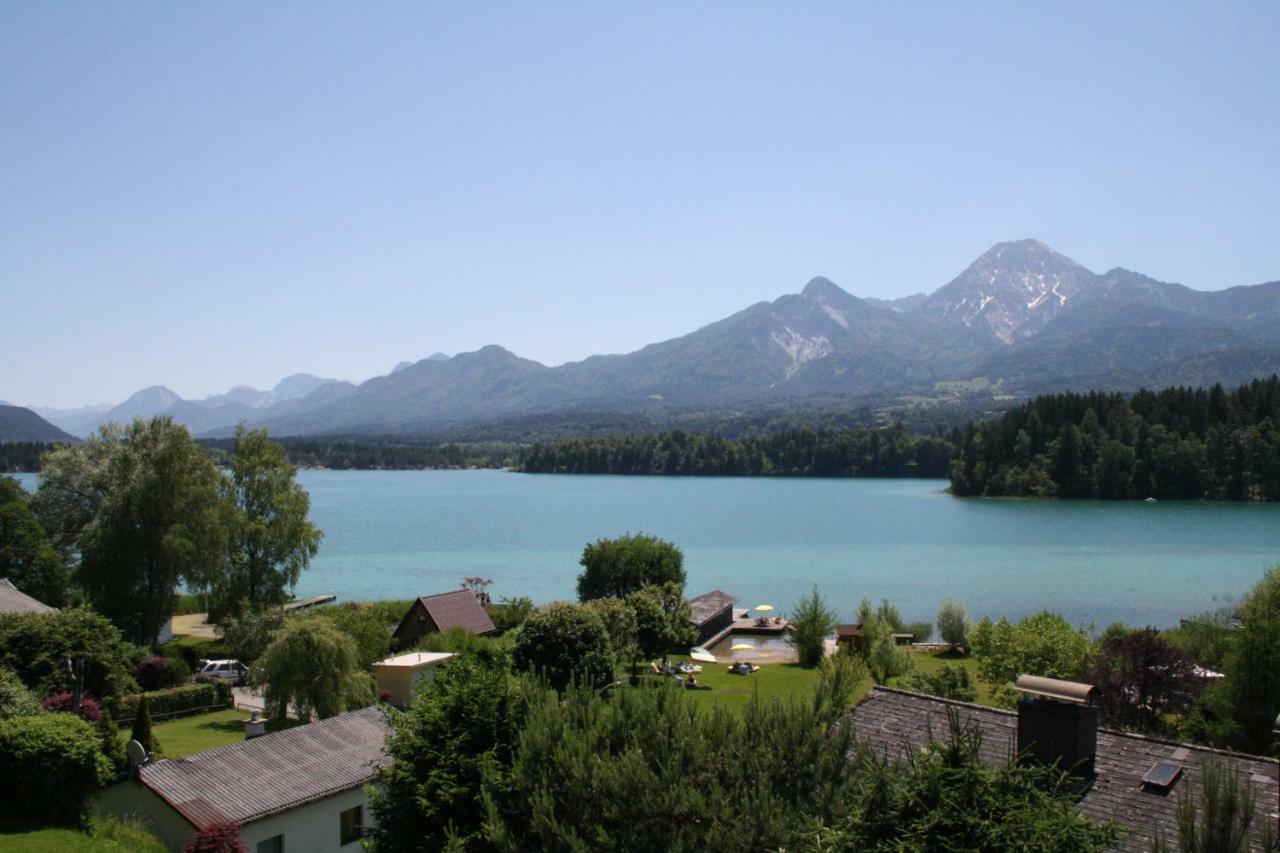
column 102, row 836
column 717, row 686
column 189, row 735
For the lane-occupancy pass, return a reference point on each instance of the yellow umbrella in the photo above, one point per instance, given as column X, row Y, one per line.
column 741, row 647
column 764, row 608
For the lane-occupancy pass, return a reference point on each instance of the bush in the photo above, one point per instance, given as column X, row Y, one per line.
column 510, row 613
column 194, row 649
column 160, row 671
column 61, row 703
column 15, row 699
column 952, row 681
column 920, row 631
column 216, row 838
column 884, row 657
column 1044, row 644
column 467, row 718
column 953, row 622
column 565, row 643
column 811, row 623
column 647, row 769
column 50, row 764
column 37, row 645
column 176, row 701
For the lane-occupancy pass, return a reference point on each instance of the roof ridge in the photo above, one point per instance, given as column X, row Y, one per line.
column 1101, row 729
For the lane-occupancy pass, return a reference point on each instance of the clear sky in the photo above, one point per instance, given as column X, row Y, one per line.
column 203, row 195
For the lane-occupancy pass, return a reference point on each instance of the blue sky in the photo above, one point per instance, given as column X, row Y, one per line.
column 200, row 195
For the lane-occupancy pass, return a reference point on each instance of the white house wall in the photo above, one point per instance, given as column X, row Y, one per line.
column 312, row 827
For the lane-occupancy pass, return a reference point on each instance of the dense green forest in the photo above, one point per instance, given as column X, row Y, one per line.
column 345, row 453
column 890, row 452
column 23, row 455
column 1180, row 443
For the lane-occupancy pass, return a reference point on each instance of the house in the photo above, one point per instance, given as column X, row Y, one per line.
column 434, row 613
column 1134, row 780
column 852, row 633
column 297, row 789
column 12, row 600
column 399, row 676
column 849, row 633
column 712, row 614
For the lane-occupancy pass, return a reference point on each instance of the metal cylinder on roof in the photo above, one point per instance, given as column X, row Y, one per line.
column 1055, row 688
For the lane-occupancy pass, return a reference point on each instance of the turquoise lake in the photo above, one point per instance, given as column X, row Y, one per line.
column 397, row 534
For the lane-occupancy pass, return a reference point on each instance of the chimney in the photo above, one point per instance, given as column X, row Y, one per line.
column 254, row 726
column 1058, row 723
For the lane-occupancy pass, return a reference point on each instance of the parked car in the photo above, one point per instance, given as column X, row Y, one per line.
column 228, row 670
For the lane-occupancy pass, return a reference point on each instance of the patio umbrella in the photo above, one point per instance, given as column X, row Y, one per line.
column 764, row 608
column 701, row 655
column 741, row 647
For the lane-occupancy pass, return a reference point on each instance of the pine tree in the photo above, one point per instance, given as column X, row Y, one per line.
column 142, row 727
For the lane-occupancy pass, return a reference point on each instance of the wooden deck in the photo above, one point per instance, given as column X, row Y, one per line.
column 744, row 623
column 313, row 601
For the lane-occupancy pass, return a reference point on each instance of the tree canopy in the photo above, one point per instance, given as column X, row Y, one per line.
column 314, row 667
column 621, row 566
column 565, row 644
column 27, row 557
column 1179, row 443
column 270, row 540
column 142, row 508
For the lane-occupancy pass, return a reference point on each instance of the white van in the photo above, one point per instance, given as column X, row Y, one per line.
column 228, row 670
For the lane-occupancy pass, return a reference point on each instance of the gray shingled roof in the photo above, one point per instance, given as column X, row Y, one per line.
column 14, row 601
column 709, row 604
column 891, row 720
column 257, row 778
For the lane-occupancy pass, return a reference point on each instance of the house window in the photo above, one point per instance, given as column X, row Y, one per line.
column 274, row 844
column 349, row 825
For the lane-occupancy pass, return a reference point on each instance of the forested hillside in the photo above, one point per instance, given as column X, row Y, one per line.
column 22, row 424
column 1180, row 443
column 342, row 454
column 843, row 453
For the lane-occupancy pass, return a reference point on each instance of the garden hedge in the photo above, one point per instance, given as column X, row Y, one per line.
column 178, row 701
column 50, row 764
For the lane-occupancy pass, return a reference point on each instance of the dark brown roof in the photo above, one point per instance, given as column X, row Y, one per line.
column 457, row 609
column 253, row 779
column 849, row 630
column 14, row 601
column 892, row 720
column 708, row 605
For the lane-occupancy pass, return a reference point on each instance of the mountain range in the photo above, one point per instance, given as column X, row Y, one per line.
column 1021, row 318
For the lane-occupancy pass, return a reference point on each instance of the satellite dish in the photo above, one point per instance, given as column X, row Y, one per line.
column 137, row 754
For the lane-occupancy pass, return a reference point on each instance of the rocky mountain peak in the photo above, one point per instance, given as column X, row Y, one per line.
column 1013, row 289
column 824, row 290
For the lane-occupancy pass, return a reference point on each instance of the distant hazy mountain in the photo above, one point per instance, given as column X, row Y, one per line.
column 1021, row 316
column 21, row 424
column 291, row 395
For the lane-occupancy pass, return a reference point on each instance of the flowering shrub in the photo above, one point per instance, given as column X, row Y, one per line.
column 216, row 838
column 89, row 708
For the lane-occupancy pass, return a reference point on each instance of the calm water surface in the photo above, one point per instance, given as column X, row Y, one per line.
column 397, row 534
